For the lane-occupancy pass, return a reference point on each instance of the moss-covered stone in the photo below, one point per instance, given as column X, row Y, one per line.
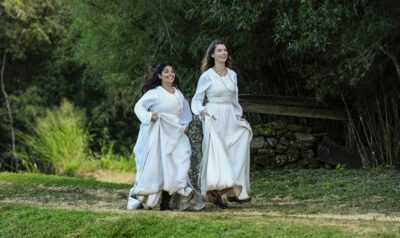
column 278, row 125
column 264, row 130
column 292, row 154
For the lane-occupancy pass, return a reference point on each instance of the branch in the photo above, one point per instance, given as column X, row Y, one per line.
column 8, row 108
column 393, row 58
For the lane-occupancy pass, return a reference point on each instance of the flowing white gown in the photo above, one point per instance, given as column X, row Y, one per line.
column 162, row 152
column 224, row 167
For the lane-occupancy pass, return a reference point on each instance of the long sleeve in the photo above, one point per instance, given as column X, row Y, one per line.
column 150, row 98
column 198, row 98
column 236, row 106
column 186, row 115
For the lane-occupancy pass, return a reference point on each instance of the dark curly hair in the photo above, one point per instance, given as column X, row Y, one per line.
column 155, row 81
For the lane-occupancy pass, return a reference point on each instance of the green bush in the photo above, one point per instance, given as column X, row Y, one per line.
column 61, row 140
column 122, row 161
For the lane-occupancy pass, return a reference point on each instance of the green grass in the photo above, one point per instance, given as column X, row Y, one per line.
column 313, row 191
column 36, row 205
column 62, row 190
column 24, row 221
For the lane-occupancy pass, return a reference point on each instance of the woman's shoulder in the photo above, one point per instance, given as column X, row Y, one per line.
column 205, row 76
column 231, row 71
column 154, row 92
column 206, row 73
column 178, row 90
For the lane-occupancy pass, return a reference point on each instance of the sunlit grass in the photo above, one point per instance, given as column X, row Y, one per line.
column 59, row 139
column 38, row 205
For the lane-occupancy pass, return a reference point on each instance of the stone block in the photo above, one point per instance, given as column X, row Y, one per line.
column 257, row 142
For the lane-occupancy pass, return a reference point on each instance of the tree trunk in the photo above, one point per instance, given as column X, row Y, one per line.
column 9, row 111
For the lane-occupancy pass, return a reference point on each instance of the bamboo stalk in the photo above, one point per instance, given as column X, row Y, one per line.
column 359, row 144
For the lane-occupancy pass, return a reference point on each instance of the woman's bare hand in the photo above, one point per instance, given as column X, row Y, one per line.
column 154, row 116
column 204, row 114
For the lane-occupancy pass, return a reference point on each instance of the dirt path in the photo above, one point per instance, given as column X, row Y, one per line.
column 118, row 205
column 106, row 175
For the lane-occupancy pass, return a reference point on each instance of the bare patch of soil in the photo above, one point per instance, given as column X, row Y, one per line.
column 112, row 176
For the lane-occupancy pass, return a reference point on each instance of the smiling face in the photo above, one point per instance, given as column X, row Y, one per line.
column 167, row 75
column 220, row 54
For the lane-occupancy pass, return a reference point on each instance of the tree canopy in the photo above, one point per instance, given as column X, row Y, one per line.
column 97, row 54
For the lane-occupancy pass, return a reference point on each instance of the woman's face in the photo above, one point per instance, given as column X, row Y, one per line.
column 220, row 54
column 167, row 75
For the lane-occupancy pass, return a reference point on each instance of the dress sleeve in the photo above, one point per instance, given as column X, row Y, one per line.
column 236, row 106
column 186, row 115
column 150, row 98
column 198, row 98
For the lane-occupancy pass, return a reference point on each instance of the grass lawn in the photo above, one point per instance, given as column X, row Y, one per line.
column 286, row 203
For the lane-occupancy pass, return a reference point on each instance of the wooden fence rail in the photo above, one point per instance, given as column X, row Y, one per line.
column 293, row 106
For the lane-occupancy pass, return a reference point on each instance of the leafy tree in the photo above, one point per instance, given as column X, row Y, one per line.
column 27, row 28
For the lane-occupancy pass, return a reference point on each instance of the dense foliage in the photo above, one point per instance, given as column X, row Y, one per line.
column 97, row 53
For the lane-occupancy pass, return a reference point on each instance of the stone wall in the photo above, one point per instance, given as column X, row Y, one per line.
column 195, row 134
column 277, row 144
column 282, row 145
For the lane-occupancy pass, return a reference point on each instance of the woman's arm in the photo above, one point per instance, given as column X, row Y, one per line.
column 198, row 98
column 141, row 109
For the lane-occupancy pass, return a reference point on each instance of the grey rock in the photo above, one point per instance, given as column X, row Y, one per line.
column 334, row 154
column 292, row 154
column 296, row 128
column 279, row 160
column 266, row 152
column 302, row 144
column 195, row 134
column 284, row 141
column 271, row 142
column 307, row 154
column 257, row 142
column 280, row 133
column 328, row 166
column 290, row 135
column 280, row 149
column 304, row 161
column 305, row 137
column 253, row 151
column 261, row 160
column 289, row 157
column 278, row 125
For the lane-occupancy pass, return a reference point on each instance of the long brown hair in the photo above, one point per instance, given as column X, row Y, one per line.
column 208, row 61
column 155, row 81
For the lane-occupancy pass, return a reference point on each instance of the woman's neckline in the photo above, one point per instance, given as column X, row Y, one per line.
column 227, row 72
column 169, row 91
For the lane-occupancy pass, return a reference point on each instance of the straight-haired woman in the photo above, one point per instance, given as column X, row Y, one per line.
column 224, row 168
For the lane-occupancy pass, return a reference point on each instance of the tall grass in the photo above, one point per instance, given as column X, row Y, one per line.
column 374, row 125
column 60, row 139
column 122, row 161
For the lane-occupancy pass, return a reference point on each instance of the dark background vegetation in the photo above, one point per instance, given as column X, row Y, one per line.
column 95, row 54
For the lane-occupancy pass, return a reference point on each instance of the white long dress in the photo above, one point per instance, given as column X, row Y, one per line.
column 162, row 152
column 224, row 167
